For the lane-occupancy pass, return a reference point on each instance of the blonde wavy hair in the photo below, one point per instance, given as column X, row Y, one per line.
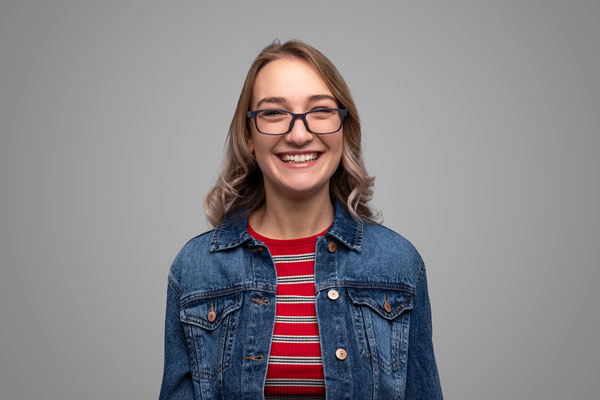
column 240, row 184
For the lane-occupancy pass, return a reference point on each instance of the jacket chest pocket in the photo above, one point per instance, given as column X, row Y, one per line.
column 209, row 324
column 381, row 320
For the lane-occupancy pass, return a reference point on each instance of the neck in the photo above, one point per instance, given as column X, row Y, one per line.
column 293, row 218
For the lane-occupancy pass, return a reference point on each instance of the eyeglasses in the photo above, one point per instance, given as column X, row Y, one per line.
column 320, row 121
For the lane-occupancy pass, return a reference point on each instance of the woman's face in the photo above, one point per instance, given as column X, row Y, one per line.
column 293, row 85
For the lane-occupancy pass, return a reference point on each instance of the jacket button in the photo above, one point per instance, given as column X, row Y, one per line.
column 331, row 247
column 333, row 294
column 340, row 354
column 211, row 316
column 386, row 305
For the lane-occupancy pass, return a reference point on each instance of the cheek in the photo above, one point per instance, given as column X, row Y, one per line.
column 262, row 160
column 262, row 147
column 336, row 146
column 251, row 139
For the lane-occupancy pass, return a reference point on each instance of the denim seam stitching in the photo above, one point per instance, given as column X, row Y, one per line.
column 225, row 335
column 358, row 237
column 369, row 285
column 192, row 351
column 386, row 366
column 344, row 330
column 421, row 274
column 377, row 309
column 173, row 287
column 223, row 292
column 215, row 241
column 250, row 312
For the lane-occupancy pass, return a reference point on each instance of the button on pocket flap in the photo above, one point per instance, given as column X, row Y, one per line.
column 387, row 303
column 208, row 312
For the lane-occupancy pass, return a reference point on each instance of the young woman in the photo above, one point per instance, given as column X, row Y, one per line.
column 298, row 291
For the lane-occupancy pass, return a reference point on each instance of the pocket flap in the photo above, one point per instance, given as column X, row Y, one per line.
column 208, row 312
column 388, row 303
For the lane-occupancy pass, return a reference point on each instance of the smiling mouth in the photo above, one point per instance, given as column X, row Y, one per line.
column 299, row 158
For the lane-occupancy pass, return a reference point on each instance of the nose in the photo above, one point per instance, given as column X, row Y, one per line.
column 299, row 135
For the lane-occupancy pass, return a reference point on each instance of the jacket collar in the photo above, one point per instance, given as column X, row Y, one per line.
column 232, row 231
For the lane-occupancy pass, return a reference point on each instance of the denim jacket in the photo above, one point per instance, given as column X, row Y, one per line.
column 221, row 314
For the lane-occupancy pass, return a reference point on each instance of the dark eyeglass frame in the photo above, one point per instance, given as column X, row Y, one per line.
column 343, row 112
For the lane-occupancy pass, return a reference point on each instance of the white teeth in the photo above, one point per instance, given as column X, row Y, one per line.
column 299, row 158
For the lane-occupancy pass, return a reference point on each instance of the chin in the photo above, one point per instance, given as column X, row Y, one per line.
column 303, row 190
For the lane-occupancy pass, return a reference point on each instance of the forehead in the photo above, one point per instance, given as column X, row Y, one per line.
column 290, row 78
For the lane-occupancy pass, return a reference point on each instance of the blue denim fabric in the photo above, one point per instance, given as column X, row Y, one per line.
column 381, row 318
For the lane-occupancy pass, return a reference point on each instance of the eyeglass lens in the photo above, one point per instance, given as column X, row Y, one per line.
column 278, row 122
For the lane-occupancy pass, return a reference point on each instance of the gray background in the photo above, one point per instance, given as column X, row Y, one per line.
column 480, row 122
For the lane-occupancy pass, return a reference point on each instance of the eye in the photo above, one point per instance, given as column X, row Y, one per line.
column 324, row 110
column 322, row 113
column 269, row 113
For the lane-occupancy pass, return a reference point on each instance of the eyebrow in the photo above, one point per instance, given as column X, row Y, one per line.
column 283, row 101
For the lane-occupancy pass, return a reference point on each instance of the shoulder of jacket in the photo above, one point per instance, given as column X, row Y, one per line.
column 380, row 235
column 381, row 241
column 195, row 249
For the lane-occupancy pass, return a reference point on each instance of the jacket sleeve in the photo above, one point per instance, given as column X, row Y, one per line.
column 422, row 379
column 177, row 377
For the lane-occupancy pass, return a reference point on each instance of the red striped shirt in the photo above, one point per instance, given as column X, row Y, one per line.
column 295, row 366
